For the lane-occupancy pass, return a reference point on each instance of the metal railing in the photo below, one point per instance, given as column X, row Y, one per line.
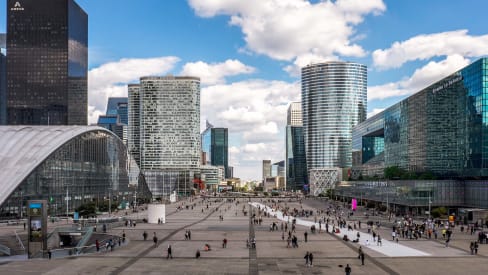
column 19, row 240
column 5, row 250
column 86, row 237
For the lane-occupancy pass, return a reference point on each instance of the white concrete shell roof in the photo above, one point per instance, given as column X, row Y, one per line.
column 23, row 148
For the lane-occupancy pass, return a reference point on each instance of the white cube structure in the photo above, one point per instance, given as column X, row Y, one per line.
column 156, row 212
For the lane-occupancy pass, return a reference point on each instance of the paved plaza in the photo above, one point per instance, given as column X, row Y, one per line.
column 271, row 255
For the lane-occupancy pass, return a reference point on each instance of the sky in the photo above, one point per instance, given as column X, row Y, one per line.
column 248, row 54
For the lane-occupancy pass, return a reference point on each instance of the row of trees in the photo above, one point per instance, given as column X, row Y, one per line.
column 397, row 173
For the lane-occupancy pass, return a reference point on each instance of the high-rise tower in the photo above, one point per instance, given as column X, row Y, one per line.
column 334, row 99
column 47, row 65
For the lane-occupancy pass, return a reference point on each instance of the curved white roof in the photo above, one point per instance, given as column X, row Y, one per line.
column 23, row 148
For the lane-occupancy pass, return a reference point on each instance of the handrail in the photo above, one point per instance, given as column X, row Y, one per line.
column 4, row 249
column 86, row 237
column 19, row 240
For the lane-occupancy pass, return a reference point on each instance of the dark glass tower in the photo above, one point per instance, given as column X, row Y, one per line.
column 219, row 149
column 296, row 170
column 47, row 44
column 3, row 88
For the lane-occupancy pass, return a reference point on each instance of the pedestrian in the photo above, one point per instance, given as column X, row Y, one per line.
column 310, row 258
column 49, row 253
column 155, row 239
column 476, row 248
column 197, row 254
column 306, row 258
column 348, row 269
column 362, row 258
column 144, row 235
column 224, row 243
column 379, row 241
column 24, row 229
column 123, row 236
column 283, row 235
column 170, row 253
column 305, row 235
column 360, row 250
column 471, row 247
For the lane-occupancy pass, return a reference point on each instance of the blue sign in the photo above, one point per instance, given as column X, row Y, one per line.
column 76, row 216
column 35, row 205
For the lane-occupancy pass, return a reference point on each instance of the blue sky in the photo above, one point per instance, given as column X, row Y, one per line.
column 248, row 53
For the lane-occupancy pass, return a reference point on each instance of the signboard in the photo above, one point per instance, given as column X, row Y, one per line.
column 37, row 239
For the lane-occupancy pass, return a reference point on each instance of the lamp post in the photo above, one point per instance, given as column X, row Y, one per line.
column 430, row 203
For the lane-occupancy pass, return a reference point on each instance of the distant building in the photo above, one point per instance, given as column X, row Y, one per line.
column 134, row 125
column 278, row 169
column 230, row 172
column 266, row 169
column 168, row 144
column 334, row 99
column 294, row 114
column 116, row 117
column 216, row 147
column 296, row 163
column 47, row 68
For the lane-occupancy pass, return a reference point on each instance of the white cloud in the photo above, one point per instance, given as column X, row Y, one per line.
column 375, row 111
column 215, row 73
column 110, row 79
column 421, row 78
column 294, row 29
column 255, row 111
column 426, row 46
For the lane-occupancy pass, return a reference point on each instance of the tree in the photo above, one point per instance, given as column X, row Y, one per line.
column 87, row 209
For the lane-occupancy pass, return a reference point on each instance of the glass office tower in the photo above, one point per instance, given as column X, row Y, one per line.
column 441, row 129
column 334, row 99
column 219, row 149
column 47, row 44
column 296, row 164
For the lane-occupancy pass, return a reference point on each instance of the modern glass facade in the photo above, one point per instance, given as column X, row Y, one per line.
column 47, row 44
column 134, row 122
column 219, row 147
column 296, row 164
column 206, row 138
column 116, row 117
column 164, row 132
column 334, row 99
column 294, row 114
column 65, row 165
column 266, row 169
column 442, row 129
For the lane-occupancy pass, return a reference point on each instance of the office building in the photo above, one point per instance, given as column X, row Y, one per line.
column 134, row 119
column 266, row 169
column 230, row 172
column 66, row 165
column 294, row 114
column 334, row 99
column 278, row 169
column 165, row 136
column 116, row 117
column 47, row 45
column 215, row 147
column 433, row 141
column 296, row 162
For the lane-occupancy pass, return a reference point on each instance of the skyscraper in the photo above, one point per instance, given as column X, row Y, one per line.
column 134, row 113
column 219, row 149
column 169, row 139
column 116, row 117
column 296, row 163
column 334, row 99
column 266, row 169
column 294, row 114
column 215, row 147
column 47, row 45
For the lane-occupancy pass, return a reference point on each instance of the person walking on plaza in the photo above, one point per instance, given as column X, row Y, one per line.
column 476, row 248
column 197, row 254
column 471, row 247
column 348, row 270
column 97, row 245
column 306, row 258
column 144, row 235
column 224, row 243
column 362, row 258
column 310, row 258
column 123, row 236
column 170, row 252
column 155, row 239
column 305, row 235
column 360, row 251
